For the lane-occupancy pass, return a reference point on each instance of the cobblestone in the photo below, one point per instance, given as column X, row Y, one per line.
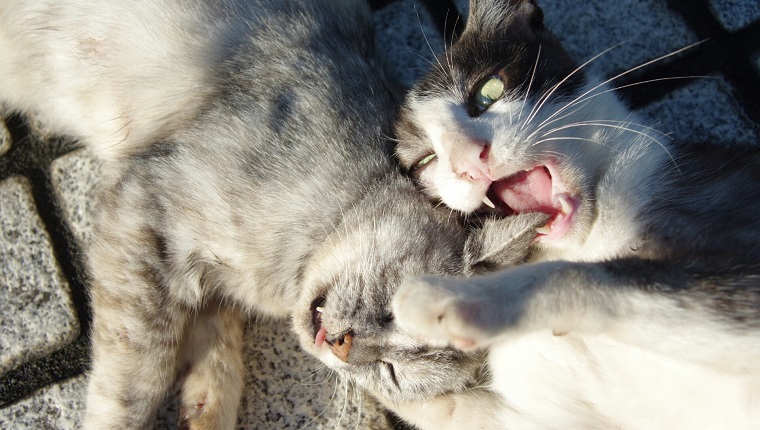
column 734, row 15
column 74, row 178
column 38, row 316
column 704, row 111
column 408, row 38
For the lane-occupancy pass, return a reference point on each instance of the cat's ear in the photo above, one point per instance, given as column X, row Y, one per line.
column 500, row 243
column 522, row 18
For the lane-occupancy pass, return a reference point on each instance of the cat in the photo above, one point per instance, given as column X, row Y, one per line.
column 639, row 306
column 248, row 170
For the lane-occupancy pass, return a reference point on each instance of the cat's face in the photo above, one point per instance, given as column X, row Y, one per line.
column 344, row 316
column 502, row 123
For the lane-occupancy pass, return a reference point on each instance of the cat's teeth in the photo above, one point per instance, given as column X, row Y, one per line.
column 320, row 309
column 488, row 202
column 544, row 230
column 566, row 206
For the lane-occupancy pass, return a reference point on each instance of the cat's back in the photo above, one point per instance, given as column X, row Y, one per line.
column 119, row 75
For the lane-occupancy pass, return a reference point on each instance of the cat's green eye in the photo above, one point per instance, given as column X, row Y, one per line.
column 488, row 92
column 425, row 160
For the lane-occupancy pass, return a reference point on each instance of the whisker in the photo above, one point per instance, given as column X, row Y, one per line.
column 617, row 89
column 550, row 139
column 554, row 87
column 619, row 75
column 607, row 123
column 530, row 83
column 322, row 412
column 424, row 36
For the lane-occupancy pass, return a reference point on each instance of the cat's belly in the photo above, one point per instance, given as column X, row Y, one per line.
column 596, row 382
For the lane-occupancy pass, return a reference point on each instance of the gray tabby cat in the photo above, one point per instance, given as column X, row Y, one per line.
column 248, row 173
column 640, row 307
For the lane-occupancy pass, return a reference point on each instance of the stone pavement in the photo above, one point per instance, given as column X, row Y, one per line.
column 46, row 187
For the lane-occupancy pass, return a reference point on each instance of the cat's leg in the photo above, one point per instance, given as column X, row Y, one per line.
column 467, row 313
column 473, row 409
column 657, row 306
column 135, row 343
column 211, row 361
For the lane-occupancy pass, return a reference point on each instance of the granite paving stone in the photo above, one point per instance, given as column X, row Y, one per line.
column 407, row 37
column 38, row 316
column 734, row 15
column 75, row 177
column 285, row 389
column 640, row 31
column 59, row 406
column 703, row 110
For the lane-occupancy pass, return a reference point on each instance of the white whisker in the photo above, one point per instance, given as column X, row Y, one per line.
column 530, row 83
column 554, row 87
column 424, row 36
column 619, row 75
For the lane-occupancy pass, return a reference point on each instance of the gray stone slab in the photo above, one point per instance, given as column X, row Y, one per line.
column 60, row 406
column 704, row 110
column 734, row 15
column 645, row 30
column 75, row 177
column 285, row 389
column 38, row 315
column 409, row 40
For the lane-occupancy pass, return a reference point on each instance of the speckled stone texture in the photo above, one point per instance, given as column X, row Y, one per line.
column 285, row 389
column 408, row 39
column 590, row 27
column 38, row 316
column 75, row 177
column 719, row 118
column 734, row 15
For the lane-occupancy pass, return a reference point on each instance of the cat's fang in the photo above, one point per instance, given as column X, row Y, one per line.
column 319, row 309
column 544, row 230
column 565, row 203
column 488, row 203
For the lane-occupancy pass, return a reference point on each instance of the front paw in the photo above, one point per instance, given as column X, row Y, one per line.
column 441, row 312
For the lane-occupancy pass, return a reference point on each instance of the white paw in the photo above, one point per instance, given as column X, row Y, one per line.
column 439, row 312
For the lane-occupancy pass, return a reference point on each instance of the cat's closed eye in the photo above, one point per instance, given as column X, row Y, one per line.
column 424, row 161
column 487, row 92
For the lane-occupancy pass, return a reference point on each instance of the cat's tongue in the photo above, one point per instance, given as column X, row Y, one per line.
column 527, row 191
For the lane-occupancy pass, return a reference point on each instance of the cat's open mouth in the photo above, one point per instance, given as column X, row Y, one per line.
column 536, row 190
column 318, row 331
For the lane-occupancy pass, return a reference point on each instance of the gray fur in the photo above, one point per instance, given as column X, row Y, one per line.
column 248, row 173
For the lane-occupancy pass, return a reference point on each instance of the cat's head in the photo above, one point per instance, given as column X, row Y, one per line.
column 344, row 315
column 504, row 119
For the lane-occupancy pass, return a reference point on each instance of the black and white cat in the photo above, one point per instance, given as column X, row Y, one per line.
column 247, row 173
column 640, row 306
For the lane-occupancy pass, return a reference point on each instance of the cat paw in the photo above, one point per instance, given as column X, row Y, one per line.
column 440, row 312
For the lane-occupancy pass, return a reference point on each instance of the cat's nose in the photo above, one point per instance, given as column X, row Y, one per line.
column 340, row 344
column 470, row 161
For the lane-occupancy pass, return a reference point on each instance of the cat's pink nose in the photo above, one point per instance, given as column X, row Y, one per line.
column 471, row 161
